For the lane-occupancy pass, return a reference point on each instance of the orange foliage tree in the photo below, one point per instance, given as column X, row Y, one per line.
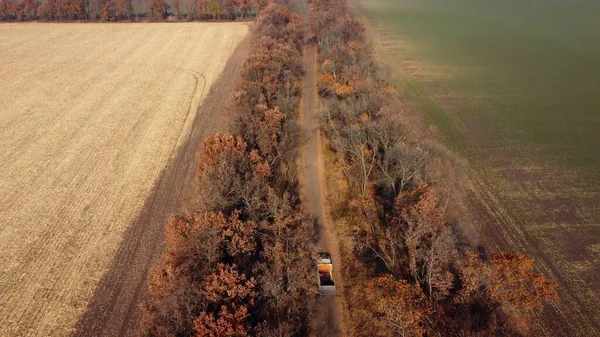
column 228, row 297
column 400, row 204
column 507, row 286
column 114, row 10
column 231, row 177
column 400, row 309
column 244, row 264
column 193, row 245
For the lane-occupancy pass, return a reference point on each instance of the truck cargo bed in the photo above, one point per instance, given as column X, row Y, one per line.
column 325, row 271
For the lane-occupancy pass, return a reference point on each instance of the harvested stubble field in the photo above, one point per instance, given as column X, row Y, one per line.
column 90, row 115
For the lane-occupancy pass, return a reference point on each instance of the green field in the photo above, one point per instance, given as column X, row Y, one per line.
column 514, row 87
column 528, row 70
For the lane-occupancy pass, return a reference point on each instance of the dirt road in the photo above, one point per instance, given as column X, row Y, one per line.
column 331, row 323
column 114, row 307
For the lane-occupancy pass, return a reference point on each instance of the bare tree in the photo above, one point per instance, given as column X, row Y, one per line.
column 357, row 148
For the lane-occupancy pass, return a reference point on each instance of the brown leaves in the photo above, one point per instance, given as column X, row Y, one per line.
column 227, row 285
column 420, row 205
column 230, row 321
column 228, row 295
column 507, row 282
column 267, row 131
column 430, row 243
column 272, row 67
column 192, row 247
column 277, row 22
column 231, row 177
column 509, row 279
column 222, row 144
column 239, row 236
column 344, row 90
column 403, row 214
column 400, row 308
column 325, row 84
column 244, row 265
column 195, row 243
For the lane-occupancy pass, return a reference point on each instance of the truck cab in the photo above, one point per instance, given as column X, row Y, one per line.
column 325, row 271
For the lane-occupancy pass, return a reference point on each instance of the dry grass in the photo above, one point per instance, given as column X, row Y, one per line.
column 90, row 114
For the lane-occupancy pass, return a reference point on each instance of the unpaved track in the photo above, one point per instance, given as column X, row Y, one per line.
column 329, row 310
column 114, row 307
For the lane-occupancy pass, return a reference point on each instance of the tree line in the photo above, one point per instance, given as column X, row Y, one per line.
column 123, row 10
column 410, row 268
column 242, row 264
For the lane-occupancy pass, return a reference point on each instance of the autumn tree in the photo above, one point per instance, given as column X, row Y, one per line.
column 266, row 113
column 78, row 10
column 108, row 10
column 287, row 272
column 400, row 167
column 233, row 178
column 401, row 205
column 428, row 238
column 401, row 163
column 195, row 243
column 192, row 248
column 5, row 10
column 274, row 69
column 506, row 285
column 244, row 263
column 177, row 9
column 266, row 107
column 400, row 309
column 355, row 144
column 64, row 10
column 48, row 10
column 277, row 240
column 228, row 297
column 159, row 9
column 260, row 4
column 209, row 9
column 242, row 6
column 324, row 16
column 190, row 8
column 123, row 9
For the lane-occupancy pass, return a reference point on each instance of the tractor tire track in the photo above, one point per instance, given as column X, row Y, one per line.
column 114, row 307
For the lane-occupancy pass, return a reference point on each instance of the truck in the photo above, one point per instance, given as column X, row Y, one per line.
column 325, row 271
